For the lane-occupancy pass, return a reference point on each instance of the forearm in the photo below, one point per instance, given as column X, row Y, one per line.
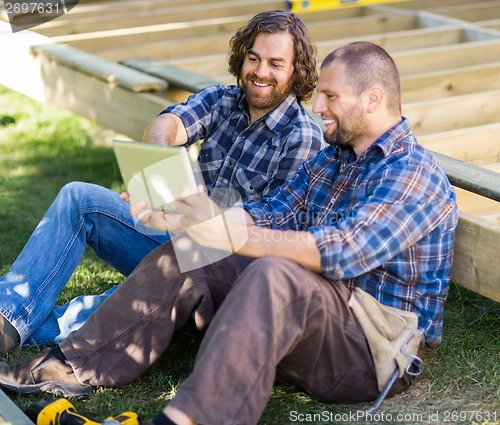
column 298, row 246
column 166, row 129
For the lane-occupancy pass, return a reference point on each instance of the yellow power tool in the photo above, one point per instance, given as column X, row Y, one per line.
column 62, row 412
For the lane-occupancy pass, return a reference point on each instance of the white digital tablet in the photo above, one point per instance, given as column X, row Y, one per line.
column 157, row 174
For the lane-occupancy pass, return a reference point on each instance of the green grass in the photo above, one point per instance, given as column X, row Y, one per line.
column 42, row 148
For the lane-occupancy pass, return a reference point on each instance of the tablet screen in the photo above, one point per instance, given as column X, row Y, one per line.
column 157, row 174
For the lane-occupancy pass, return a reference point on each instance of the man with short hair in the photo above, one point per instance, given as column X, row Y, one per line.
column 368, row 221
column 256, row 134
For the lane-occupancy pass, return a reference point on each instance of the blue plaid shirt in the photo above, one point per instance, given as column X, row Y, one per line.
column 384, row 222
column 251, row 159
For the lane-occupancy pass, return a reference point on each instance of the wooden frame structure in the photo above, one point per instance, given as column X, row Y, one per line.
column 10, row 414
column 120, row 62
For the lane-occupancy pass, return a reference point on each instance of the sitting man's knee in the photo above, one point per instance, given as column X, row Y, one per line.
column 272, row 266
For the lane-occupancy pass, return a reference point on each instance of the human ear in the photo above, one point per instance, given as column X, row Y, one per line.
column 375, row 97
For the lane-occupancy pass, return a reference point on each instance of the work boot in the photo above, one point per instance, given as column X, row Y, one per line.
column 9, row 337
column 46, row 372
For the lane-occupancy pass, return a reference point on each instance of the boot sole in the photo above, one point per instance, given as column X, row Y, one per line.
column 52, row 387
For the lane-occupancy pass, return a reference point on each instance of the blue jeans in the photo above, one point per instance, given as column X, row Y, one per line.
column 81, row 214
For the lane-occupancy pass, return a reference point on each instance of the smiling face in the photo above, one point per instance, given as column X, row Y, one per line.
column 267, row 72
column 343, row 112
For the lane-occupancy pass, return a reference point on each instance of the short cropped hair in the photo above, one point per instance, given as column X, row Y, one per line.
column 368, row 64
column 305, row 72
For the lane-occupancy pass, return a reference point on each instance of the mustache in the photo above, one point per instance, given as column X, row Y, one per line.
column 256, row 79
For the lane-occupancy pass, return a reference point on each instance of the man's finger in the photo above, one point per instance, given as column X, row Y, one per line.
column 136, row 209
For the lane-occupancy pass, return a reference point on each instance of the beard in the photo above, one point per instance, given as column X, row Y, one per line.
column 348, row 130
column 258, row 100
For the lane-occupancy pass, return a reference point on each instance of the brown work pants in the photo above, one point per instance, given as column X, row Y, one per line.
column 274, row 319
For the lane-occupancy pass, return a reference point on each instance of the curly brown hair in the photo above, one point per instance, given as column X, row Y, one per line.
column 305, row 72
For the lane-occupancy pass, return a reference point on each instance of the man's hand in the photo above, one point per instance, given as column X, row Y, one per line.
column 200, row 217
column 208, row 225
column 168, row 222
column 125, row 196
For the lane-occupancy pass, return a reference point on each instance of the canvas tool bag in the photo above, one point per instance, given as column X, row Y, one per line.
column 392, row 334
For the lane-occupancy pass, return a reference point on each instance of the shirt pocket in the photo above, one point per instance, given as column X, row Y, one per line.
column 211, row 157
column 253, row 184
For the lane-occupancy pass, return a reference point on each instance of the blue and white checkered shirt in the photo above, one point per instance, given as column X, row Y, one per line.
column 384, row 222
column 252, row 159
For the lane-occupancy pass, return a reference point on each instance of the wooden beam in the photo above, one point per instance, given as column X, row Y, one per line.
column 471, row 12
column 453, row 113
column 169, row 48
column 10, row 414
column 176, row 77
column 108, row 71
column 90, row 41
column 99, row 8
column 494, row 167
column 102, row 42
column 446, row 57
column 325, row 29
column 157, row 16
column 399, row 40
column 463, row 144
column 478, row 206
column 111, row 106
column 493, row 24
column 47, row 80
column 476, row 265
column 450, row 82
column 471, row 177
column 409, row 61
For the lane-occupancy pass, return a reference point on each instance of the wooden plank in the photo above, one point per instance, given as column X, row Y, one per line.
column 399, row 40
column 478, row 206
column 472, row 12
column 169, row 48
column 493, row 24
column 450, row 82
column 359, row 26
column 494, row 167
column 108, row 71
column 101, row 8
column 446, row 57
column 453, row 113
column 175, row 76
column 477, row 145
column 476, row 265
column 409, row 62
column 10, row 414
column 165, row 15
column 47, row 80
column 471, row 177
column 112, row 106
column 167, row 33
column 109, row 8
column 91, row 41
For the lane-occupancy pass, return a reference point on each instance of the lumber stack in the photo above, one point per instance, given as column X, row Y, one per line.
column 120, row 62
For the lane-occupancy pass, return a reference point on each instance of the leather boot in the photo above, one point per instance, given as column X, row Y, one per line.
column 45, row 372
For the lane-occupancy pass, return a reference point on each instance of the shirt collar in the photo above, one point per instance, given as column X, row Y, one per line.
column 387, row 144
column 279, row 117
